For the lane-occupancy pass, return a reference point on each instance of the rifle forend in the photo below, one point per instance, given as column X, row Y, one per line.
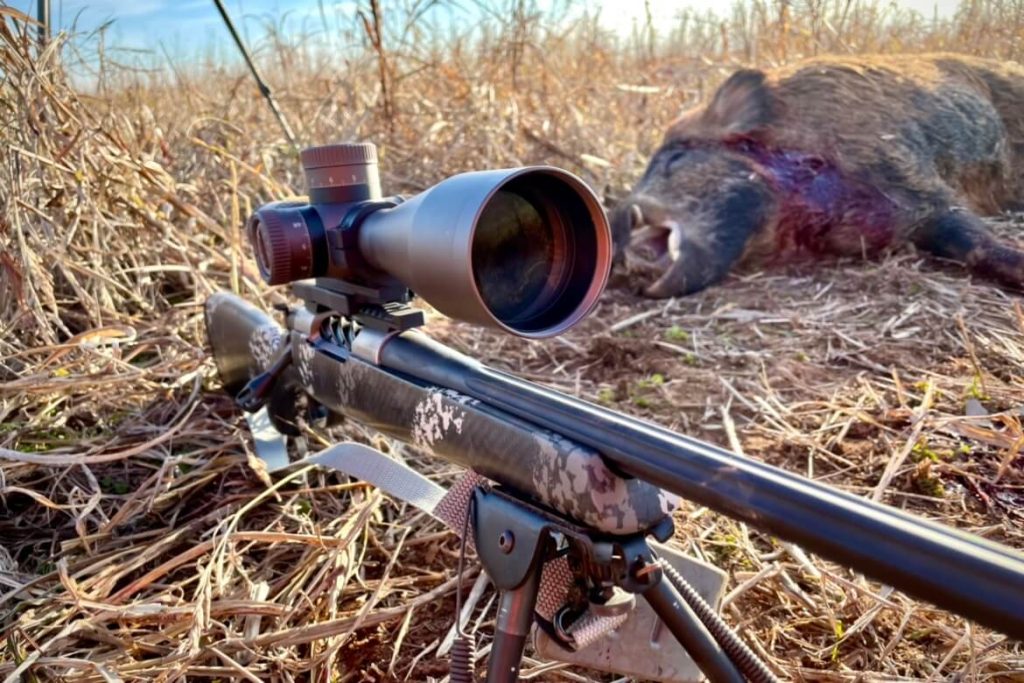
column 540, row 442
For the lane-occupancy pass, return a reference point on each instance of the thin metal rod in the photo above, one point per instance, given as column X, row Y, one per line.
column 515, row 616
column 260, row 83
column 43, row 17
column 738, row 651
column 691, row 633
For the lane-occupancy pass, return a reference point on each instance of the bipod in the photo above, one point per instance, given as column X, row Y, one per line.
column 513, row 541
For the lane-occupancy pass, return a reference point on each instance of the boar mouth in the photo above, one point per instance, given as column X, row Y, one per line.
column 651, row 243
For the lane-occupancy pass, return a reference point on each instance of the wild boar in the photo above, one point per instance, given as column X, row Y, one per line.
column 834, row 156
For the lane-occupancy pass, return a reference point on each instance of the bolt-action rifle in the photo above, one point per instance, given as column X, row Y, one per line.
column 567, row 504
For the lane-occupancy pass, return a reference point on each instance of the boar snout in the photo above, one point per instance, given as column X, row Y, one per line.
column 709, row 243
column 689, row 247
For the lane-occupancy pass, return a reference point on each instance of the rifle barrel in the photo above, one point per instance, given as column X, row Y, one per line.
column 947, row 567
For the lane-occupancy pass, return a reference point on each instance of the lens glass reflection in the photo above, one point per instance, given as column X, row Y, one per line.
column 515, row 252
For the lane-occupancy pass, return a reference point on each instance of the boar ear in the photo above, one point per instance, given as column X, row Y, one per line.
column 742, row 105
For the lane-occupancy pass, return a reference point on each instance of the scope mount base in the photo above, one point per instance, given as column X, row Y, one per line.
column 385, row 308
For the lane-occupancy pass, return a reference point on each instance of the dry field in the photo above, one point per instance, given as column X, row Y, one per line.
column 140, row 541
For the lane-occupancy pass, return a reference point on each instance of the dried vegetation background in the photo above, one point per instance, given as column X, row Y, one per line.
column 139, row 540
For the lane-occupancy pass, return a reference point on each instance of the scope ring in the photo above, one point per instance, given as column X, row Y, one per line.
column 357, row 214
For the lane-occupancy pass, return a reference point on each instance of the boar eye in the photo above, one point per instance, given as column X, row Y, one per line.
column 667, row 159
column 673, row 161
column 674, row 158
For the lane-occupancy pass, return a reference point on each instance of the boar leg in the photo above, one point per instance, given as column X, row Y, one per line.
column 960, row 235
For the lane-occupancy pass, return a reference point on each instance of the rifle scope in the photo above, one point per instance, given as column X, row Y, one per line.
column 524, row 249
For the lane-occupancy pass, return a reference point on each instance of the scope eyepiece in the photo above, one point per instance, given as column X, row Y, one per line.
column 289, row 241
column 525, row 249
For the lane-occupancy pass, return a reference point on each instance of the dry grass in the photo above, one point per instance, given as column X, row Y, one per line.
column 138, row 540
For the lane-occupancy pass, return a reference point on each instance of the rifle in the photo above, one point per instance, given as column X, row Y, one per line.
column 568, row 504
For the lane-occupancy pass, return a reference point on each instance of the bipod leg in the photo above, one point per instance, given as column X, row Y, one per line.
column 678, row 617
column 511, row 541
column 515, row 617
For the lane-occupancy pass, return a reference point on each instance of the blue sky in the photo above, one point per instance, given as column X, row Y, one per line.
column 186, row 28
